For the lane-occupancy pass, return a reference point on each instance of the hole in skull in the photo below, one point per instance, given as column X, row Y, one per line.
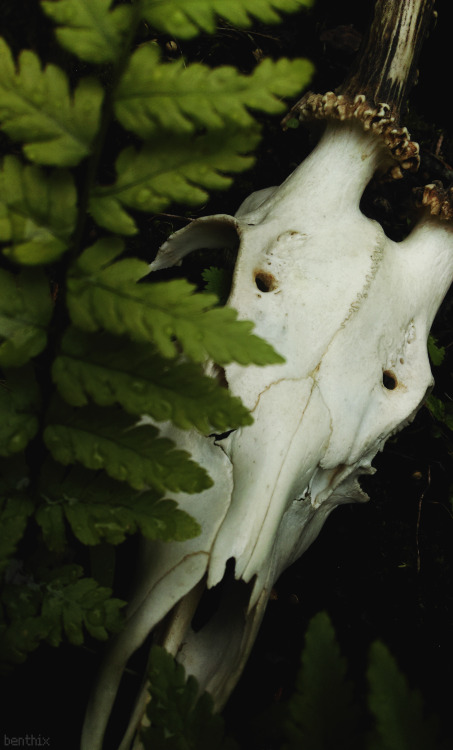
column 221, row 600
column 265, row 281
column 391, row 205
column 389, row 380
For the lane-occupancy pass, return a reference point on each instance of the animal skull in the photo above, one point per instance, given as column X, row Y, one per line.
column 350, row 310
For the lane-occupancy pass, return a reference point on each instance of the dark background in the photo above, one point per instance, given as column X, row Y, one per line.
column 381, row 570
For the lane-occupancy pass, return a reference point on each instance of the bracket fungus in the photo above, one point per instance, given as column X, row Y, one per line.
column 350, row 310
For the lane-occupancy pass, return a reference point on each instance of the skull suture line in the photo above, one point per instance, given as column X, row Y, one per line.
column 350, row 310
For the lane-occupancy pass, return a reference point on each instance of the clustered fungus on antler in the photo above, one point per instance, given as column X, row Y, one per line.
column 437, row 199
column 350, row 311
column 380, row 120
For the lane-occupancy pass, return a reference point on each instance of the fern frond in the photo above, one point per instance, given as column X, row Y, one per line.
column 61, row 603
column 441, row 411
column 98, row 509
column 37, row 212
column 72, row 603
column 401, row 722
column 21, row 627
column 15, row 509
column 181, row 98
column 322, row 710
column 218, row 282
column 178, row 169
column 37, row 107
column 436, row 352
column 98, row 258
column 111, row 370
column 25, row 312
column 109, row 439
column 99, row 296
column 89, row 29
column 187, row 18
column 179, row 716
column 19, row 404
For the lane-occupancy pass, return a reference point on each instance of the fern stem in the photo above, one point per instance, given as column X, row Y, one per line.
column 92, row 166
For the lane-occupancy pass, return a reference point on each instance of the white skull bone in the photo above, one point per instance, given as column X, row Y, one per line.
column 350, row 310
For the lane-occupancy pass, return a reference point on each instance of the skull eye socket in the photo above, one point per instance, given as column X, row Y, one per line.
column 389, row 380
column 264, row 281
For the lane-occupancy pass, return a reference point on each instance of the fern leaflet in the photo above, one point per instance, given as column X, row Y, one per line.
column 130, row 452
column 322, row 711
column 15, row 506
column 186, row 18
column 61, row 604
column 14, row 514
column 180, row 718
column 217, row 281
column 113, row 370
column 98, row 509
column 102, row 294
column 89, row 29
column 19, row 403
column 25, row 312
column 436, row 352
column 398, row 710
column 181, row 98
column 166, row 170
column 36, row 106
column 37, row 212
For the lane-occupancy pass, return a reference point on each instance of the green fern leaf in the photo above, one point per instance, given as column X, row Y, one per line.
column 218, row 282
column 19, row 404
column 109, row 439
column 14, row 514
column 98, row 509
column 99, row 257
column 101, row 294
column 186, row 18
column 72, row 603
column 111, row 370
column 180, row 718
column 21, row 627
column 436, row 352
column 401, row 723
column 108, row 212
column 89, row 29
column 36, row 106
column 181, row 98
column 37, row 212
column 60, row 603
column 322, row 713
column 166, row 170
column 51, row 518
column 25, row 312
column 15, row 504
column 440, row 410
